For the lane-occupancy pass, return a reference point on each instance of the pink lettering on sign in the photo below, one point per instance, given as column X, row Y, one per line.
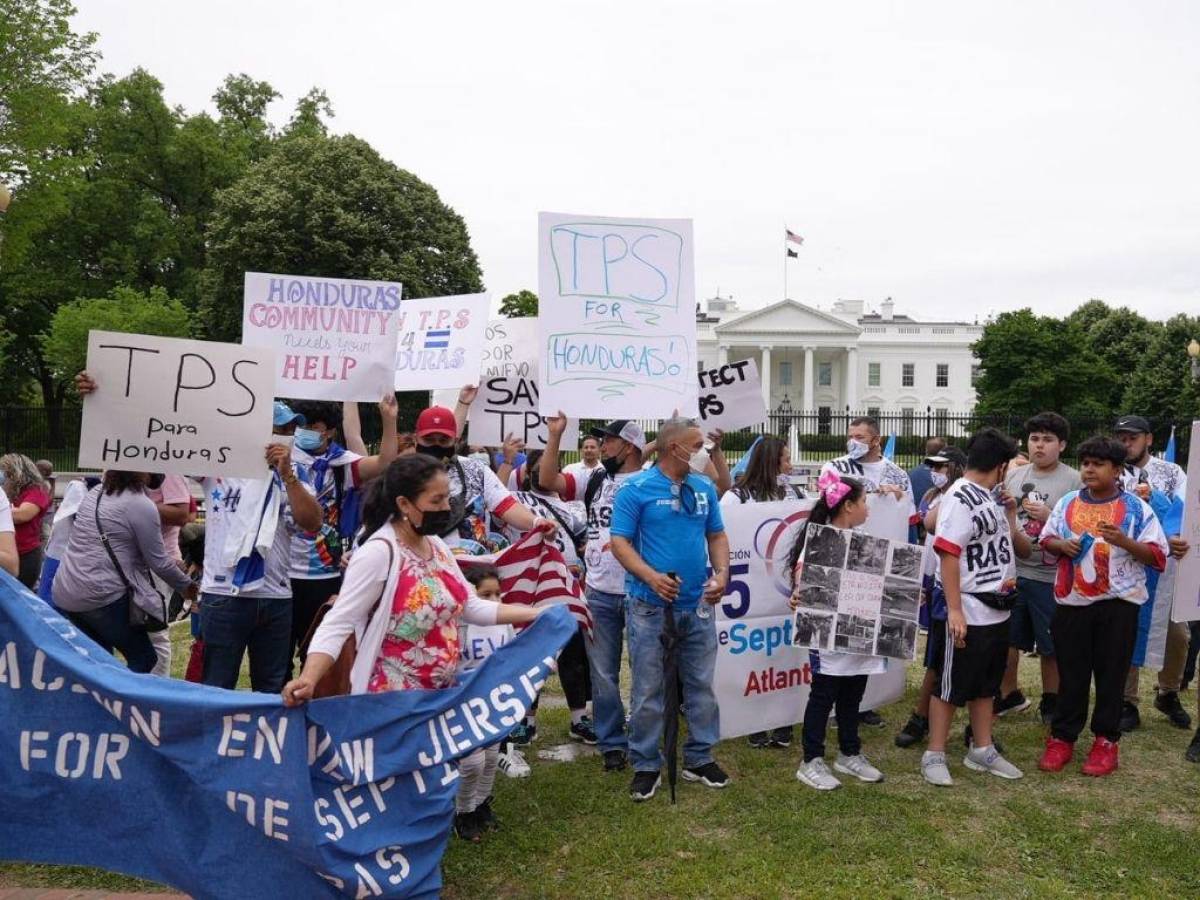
column 318, row 368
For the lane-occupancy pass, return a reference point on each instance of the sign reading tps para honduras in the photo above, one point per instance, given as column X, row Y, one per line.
column 229, row 794
column 441, row 342
column 334, row 338
column 616, row 316
column 177, row 406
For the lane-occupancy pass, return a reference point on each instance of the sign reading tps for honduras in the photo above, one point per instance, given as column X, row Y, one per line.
column 616, row 316
column 229, row 794
column 441, row 342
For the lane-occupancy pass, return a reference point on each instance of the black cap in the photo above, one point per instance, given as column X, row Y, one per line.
column 948, row 455
column 1135, row 424
column 630, row 432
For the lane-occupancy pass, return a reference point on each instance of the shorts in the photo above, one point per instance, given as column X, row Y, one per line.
column 933, row 641
column 1029, row 624
column 972, row 672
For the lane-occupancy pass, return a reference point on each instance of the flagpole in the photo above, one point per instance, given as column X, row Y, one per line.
column 785, row 259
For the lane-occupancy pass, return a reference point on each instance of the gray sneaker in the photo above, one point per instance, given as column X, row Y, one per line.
column 816, row 774
column 858, row 766
column 988, row 759
column 933, row 769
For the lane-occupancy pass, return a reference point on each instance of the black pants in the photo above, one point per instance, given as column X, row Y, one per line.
column 841, row 694
column 307, row 596
column 109, row 627
column 30, row 567
column 575, row 673
column 1094, row 641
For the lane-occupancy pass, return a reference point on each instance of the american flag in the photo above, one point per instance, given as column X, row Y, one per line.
column 792, row 236
column 534, row 573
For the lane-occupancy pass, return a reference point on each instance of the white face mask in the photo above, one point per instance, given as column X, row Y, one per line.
column 857, row 449
column 939, row 479
column 698, row 461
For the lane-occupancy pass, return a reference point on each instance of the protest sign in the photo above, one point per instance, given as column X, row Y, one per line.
column 177, row 406
column 334, row 338
column 616, row 317
column 441, row 341
column 859, row 593
column 1187, row 577
column 762, row 674
column 224, row 794
column 731, row 397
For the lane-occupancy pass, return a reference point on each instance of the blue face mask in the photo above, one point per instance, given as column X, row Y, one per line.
column 308, row 440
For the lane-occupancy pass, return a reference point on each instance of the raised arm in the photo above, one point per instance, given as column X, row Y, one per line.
column 305, row 508
column 549, row 476
column 352, row 428
column 389, row 445
column 462, row 408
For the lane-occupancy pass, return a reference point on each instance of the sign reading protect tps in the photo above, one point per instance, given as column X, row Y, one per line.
column 616, row 317
column 731, row 397
column 229, row 794
column 177, row 406
column 763, row 673
column 334, row 338
column 441, row 342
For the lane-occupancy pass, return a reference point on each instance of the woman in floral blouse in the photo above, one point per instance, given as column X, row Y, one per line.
column 403, row 596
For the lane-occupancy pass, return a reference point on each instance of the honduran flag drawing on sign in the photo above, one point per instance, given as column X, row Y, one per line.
column 437, row 340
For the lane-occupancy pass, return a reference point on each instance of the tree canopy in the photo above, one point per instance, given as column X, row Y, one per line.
column 519, row 305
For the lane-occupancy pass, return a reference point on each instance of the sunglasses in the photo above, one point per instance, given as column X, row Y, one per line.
column 683, row 497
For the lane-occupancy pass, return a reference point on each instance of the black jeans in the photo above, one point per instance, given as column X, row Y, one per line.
column 841, row 694
column 307, row 596
column 109, row 627
column 1094, row 641
column 575, row 673
column 30, row 567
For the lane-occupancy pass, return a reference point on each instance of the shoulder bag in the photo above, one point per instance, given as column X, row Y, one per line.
column 140, row 619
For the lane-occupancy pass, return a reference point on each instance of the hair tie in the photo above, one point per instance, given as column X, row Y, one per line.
column 832, row 488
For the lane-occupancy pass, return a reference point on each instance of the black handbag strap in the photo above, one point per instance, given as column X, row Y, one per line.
column 107, row 547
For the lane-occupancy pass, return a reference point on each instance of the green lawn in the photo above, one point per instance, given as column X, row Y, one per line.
column 570, row 831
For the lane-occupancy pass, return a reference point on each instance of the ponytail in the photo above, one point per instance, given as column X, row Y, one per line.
column 406, row 476
column 822, row 514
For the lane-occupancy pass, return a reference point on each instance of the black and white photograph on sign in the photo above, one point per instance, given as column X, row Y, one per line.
column 825, row 546
column 900, row 598
column 906, row 561
column 814, row 596
column 867, row 554
column 897, row 638
column 855, row 634
column 813, row 628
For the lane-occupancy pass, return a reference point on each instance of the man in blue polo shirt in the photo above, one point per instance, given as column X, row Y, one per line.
column 666, row 527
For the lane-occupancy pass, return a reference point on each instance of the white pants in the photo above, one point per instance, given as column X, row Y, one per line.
column 162, row 639
column 476, row 776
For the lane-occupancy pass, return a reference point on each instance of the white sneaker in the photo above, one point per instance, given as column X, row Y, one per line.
column 816, row 774
column 933, row 769
column 512, row 763
column 988, row 759
column 858, row 766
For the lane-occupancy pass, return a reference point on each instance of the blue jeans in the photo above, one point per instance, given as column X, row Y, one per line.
column 233, row 625
column 697, row 655
column 604, row 656
column 109, row 627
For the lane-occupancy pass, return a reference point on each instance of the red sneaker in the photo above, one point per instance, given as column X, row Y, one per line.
column 1058, row 753
column 1102, row 758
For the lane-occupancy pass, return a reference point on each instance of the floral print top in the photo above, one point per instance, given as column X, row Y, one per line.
column 421, row 645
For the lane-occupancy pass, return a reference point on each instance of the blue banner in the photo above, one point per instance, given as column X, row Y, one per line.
column 222, row 793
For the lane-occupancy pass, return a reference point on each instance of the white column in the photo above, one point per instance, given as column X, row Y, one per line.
column 764, row 372
column 722, row 354
column 808, row 380
column 851, row 397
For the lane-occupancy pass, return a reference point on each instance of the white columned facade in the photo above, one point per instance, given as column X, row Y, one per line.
column 852, row 378
column 764, row 372
column 722, row 354
column 808, row 380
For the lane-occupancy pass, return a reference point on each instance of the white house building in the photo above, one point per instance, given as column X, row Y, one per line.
column 828, row 362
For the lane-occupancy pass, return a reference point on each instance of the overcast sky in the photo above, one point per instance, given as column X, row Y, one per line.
column 963, row 158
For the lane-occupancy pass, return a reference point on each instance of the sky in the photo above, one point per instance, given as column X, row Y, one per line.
column 961, row 158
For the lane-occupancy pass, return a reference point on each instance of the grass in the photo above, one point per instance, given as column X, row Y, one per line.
column 570, row 831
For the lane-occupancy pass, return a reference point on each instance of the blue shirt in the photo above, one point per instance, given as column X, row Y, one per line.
column 668, row 525
column 921, row 479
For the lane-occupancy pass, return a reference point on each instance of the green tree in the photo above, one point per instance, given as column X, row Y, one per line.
column 331, row 206
column 124, row 309
column 1162, row 387
column 519, row 305
column 1118, row 336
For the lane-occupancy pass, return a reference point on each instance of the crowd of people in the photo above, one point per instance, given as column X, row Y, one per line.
column 1026, row 555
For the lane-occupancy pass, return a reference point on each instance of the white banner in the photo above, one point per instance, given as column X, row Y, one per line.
column 334, row 338
column 1187, row 577
column 731, row 397
column 616, row 317
column 762, row 678
column 177, row 406
column 441, row 342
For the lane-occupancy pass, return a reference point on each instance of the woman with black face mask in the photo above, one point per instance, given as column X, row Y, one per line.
column 403, row 595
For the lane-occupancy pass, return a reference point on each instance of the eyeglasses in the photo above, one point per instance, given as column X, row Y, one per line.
column 684, row 497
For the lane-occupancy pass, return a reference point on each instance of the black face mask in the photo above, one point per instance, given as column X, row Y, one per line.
column 154, row 482
column 442, row 453
column 612, row 465
column 435, row 521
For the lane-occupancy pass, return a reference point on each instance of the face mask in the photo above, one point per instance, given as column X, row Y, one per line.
column 857, row 449
column 434, row 521
column 612, row 465
column 698, row 461
column 939, row 479
column 154, row 482
column 309, row 440
column 480, row 457
column 442, row 453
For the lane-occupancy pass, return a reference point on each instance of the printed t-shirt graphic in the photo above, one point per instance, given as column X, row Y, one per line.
column 973, row 527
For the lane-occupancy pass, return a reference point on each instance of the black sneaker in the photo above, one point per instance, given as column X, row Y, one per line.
column 583, row 731
column 1046, row 707
column 1131, row 719
column 485, row 818
column 781, row 738
column 915, row 730
column 1016, row 702
column 710, row 775
column 870, row 718
column 1167, row 703
column 466, row 826
column 760, row 740
column 524, row 734
column 644, row 785
column 615, row 760
column 969, row 738
column 1193, row 750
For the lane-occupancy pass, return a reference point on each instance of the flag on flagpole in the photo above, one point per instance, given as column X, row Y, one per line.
column 792, row 254
column 889, row 451
column 1169, row 453
column 792, row 236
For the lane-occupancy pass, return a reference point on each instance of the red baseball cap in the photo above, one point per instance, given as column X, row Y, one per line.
column 437, row 420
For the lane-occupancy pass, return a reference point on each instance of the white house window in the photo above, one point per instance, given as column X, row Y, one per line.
column 700, row 365
column 906, row 421
column 824, row 419
column 785, row 373
column 943, row 375
column 873, row 412
column 873, row 374
column 825, row 374
column 908, row 375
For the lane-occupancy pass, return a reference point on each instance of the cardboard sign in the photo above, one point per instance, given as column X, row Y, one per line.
column 441, row 342
column 616, row 317
column 334, row 338
column 1187, row 576
column 731, row 397
column 762, row 673
column 177, row 406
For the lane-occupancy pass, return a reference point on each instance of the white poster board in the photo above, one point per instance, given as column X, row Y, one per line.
column 616, row 317
column 731, row 397
column 762, row 676
column 441, row 342
column 177, row 406
column 334, row 338
column 1187, row 575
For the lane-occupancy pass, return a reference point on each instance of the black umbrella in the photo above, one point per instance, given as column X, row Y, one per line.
column 670, row 645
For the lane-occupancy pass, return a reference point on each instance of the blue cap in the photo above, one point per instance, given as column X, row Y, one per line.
column 285, row 416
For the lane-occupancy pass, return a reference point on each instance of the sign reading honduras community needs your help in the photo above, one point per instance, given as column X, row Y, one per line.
column 441, row 342
column 731, row 397
column 334, row 338
column 230, row 794
column 177, row 406
column 507, row 402
column 1187, row 576
column 762, row 672
column 616, row 317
